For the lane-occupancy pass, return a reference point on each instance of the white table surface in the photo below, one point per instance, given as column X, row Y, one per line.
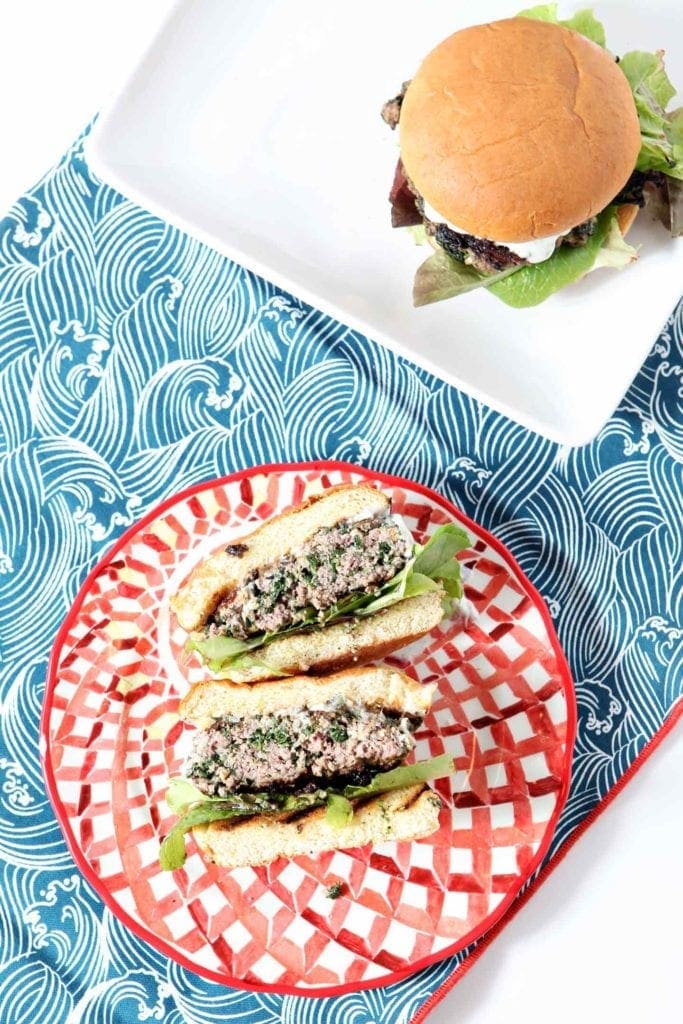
column 601, row 940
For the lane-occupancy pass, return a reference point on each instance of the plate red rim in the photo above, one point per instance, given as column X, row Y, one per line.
column 388, row 480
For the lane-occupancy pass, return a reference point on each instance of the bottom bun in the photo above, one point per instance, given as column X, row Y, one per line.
column 408, row 813
column 353, row 641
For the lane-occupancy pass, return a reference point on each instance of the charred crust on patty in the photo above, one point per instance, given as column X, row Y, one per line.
column 237, row 550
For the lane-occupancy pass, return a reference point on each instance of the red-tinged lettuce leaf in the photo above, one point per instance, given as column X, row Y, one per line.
column 404, row 211
column 443, row 277
column 666, row 205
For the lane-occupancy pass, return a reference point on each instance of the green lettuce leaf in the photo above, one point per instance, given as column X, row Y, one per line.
column 583, row 21
column 615, row 252
column 405, row 775
column 172, row 850
column 443, row 277
column 534, row 283
column 661, row 132
column 181, row 794
column 676, row 131
column 437, row 561
column 417, row 584
column 339, row 811
column 217, row 650
column 419, row 233
column 647, row 76
column 391, row 593
column 199, row 809
column 172, row 853
column 422, row 573
column 605, row 248
column 247, row 668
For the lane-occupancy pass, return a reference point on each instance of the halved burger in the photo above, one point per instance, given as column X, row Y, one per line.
column 316, row 763
column 333, row 581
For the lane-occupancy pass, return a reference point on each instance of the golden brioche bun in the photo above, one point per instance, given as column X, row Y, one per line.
column 518, row 129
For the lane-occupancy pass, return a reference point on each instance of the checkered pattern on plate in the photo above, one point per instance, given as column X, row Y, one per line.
column 501, row 710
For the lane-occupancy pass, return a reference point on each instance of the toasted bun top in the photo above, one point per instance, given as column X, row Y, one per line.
column 222, row 572
column 374, row 686
column 518, row 129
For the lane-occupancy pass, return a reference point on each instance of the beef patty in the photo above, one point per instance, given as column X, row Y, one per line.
column 302, row 747
column 346, row 559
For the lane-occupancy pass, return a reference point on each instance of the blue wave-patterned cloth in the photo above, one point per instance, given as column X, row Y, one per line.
column 135, row 362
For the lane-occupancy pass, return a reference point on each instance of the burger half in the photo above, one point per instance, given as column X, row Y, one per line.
column 336, row 580
column 526, row 152
column 316, row 763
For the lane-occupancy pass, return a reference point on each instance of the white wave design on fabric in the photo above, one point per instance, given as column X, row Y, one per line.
column 30, row 983
column 135, row 362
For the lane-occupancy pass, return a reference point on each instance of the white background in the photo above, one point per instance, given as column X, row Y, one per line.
column 601, row 940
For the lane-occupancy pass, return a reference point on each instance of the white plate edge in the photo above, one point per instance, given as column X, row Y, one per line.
column 106, row 171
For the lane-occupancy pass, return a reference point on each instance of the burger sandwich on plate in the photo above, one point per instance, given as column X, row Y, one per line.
column 526, row 150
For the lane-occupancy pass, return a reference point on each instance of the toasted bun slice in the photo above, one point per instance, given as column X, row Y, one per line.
column 352, row 641
column 215, row 577
column 519, row 129
column 408, row 813
column 376, row 686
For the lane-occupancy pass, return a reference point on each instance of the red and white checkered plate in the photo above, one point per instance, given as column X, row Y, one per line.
column 504, row 709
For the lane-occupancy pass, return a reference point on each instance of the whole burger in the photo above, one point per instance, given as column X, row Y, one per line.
column 526, row 149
